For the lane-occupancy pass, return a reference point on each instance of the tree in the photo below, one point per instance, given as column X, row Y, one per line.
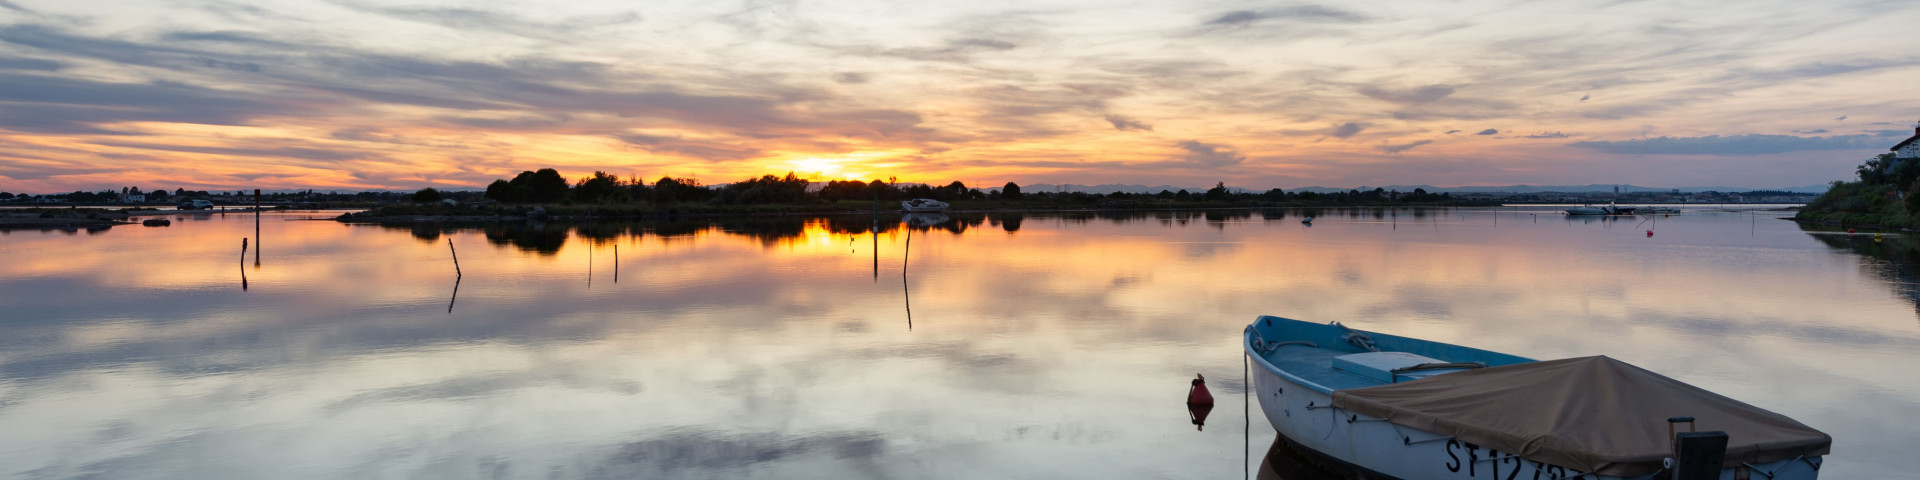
column 599, row 188
column 768, row 189
column 1011, row 191
column 1218, row 192
column 837, row 190
column 1913, row 198
column 546, row 186
column 669, row 190
column 1274, row 194
column 426, row 195
column 954, row 190
column 502, row 191
column 1875, row 170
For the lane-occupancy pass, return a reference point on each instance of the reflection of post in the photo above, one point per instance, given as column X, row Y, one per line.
column 455, row 296
column 875, row 232
column 904, row 293
column 616, row 263
column 243, row 264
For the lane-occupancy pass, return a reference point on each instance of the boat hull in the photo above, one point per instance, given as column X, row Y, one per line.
column 1375, row 448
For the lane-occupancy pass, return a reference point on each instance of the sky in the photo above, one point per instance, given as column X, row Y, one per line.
column 374, row 94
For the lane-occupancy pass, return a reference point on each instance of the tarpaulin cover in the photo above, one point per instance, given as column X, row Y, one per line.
column 1594, row 414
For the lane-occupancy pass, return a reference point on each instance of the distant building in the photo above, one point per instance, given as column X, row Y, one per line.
column 1909, row 148
column 133, row 199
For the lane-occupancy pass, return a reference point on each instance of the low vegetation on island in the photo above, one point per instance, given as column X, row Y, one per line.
column 608, row 196
column 1886, row 194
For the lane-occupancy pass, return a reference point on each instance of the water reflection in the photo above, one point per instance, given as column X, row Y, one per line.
column 1285, row 462
column 1891, row 257
column 759, row 347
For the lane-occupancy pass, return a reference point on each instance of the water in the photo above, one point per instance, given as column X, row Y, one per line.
column 1036, row 346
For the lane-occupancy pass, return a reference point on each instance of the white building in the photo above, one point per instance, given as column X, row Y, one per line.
column 1909, row 148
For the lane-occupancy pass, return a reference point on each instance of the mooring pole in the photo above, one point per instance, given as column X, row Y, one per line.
column 256, row 228
column 456, row 259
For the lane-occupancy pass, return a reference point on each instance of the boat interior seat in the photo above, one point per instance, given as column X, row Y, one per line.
column 1390, row 367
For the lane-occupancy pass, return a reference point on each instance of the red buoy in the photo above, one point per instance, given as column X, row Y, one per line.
column 1198, row 395
column 1649, row 234
column 1848, row 231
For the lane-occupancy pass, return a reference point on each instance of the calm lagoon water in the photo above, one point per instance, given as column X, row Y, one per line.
column 987, row 346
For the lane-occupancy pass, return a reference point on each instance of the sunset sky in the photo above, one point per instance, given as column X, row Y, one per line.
column 365, row 94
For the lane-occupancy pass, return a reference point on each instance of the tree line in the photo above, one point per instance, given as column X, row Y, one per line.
column 548, row 186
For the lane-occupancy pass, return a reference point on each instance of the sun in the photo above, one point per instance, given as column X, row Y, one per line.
column 829, row 167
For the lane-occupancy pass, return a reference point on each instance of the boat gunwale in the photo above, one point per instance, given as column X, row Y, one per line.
column 1246, row 345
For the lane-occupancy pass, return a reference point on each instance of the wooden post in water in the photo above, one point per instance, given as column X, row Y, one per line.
column 616, row 263
column 256, row 228
column 456, row 259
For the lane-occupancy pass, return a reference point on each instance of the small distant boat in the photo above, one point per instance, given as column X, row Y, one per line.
column 923, row 205
column 1308, row 220
column 156, row 222
column 1659, row 210
column 1608, row 209
column 1385, row 406
column 195, row 205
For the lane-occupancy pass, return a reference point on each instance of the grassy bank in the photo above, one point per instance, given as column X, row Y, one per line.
column 1886, row 195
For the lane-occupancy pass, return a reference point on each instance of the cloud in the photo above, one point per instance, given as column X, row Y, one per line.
column 1123, row 123
column 518, row 123
column 1454, row 131
column 48, row 104
column 1841, row 118
column 852, row 78
column 1728, row 145
column 709, row 151
column 1549, row 135
column 1397, row 148
column 1208, row 155
column 1242, row 18
column 21, row 63
column 1812, row 132
column 1585, row 97
column 1488, row 132
column 1415, row 96
column 1346, row 130
column 469, row 19
column 305, row 152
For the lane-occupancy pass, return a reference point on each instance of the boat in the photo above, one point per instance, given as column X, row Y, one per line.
column 923, row 205
column 1659, row 210
column 195, row 205
column 1384, row 406
column 1608, row 209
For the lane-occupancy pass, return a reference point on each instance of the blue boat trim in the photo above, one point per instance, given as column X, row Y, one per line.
column 1307, row 357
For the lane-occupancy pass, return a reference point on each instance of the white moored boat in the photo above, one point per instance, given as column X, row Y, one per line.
column 1608, row 209
column 923, row 205
column 1395, row 407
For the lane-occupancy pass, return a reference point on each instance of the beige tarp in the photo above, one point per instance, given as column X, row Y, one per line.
column 1594, row 414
